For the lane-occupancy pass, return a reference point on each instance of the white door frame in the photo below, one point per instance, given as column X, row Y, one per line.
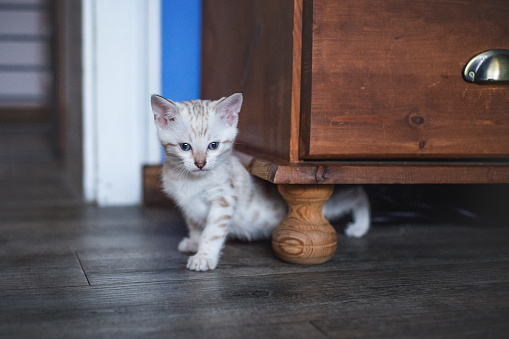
column 121, row 69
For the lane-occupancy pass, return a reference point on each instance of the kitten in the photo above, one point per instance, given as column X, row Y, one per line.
column 216, row 194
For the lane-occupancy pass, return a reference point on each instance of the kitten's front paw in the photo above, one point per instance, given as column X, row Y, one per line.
column 201, row 262
column 188, row 246
column 356, row 229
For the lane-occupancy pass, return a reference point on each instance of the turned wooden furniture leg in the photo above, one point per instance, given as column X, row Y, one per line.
column 305, row 236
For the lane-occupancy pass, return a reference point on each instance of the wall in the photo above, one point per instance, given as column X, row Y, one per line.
column 121, row 69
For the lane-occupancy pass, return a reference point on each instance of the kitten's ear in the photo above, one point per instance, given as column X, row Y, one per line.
column 229, row 108
column 164, row 110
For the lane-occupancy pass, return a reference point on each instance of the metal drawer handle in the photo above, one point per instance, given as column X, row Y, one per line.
column 488, row 67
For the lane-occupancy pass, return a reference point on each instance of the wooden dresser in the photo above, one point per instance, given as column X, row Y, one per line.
column 357, row 92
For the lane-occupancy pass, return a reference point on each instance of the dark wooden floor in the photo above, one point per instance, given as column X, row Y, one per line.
column 81, row 271
column 36, row 184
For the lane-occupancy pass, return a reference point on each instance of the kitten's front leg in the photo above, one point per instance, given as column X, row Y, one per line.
column 213, row 235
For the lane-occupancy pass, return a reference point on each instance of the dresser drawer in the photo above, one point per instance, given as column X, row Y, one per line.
column 355, row 91
column 383, row 80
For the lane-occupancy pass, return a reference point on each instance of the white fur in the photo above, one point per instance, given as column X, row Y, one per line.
column 221, row 198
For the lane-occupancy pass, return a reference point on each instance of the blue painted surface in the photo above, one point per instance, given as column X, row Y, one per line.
column 181, row 48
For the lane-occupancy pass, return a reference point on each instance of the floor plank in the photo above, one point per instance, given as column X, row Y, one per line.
column 36, row 184
column 31, row 271
column 82, row 271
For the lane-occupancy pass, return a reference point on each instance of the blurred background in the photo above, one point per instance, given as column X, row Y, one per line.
column 75, row 119
column 75, row 85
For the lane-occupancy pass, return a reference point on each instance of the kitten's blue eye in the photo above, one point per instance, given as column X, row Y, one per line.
column 185, row 147
column 213, row 145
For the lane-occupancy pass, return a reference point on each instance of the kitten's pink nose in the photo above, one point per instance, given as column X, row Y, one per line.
column 200, row 164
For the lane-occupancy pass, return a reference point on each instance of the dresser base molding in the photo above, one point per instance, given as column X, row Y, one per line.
column 280, row 171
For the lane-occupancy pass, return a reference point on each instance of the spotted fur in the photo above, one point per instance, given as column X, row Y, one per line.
column 216, row 194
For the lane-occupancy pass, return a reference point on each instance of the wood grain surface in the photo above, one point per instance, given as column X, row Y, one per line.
column 83, row 271
column 385, row 80
column 305, row 236
column 280, row 171
column 248, row 47
column 380, row 83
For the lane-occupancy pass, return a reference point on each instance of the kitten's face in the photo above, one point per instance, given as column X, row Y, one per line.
column 197, row 135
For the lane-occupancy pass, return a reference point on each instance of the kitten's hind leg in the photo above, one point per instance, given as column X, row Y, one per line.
column 187, row 245
column 190, row 244
column 350, row 199
column 361, row 215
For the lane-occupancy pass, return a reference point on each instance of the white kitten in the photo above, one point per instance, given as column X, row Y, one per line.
column 216, row 194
